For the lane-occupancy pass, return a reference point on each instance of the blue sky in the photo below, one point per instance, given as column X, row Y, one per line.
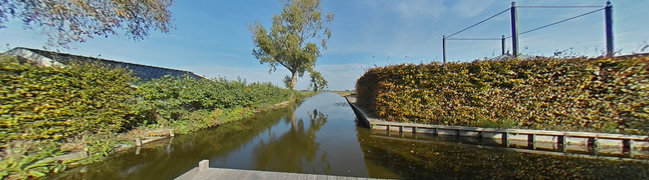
column 211, row 37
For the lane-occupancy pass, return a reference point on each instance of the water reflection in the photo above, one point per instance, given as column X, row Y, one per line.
column 439, row 157
column 168, row 159
column 320, row 136
column 296, row 150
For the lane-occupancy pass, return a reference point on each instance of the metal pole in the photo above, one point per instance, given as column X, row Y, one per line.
column 608, row 13
column 444, row 48
column 502, row 45
column 514, row 29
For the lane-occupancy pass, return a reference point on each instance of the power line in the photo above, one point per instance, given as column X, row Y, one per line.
column 560, row 6
column 478, row 23
column 554, row 23
column 474, row 39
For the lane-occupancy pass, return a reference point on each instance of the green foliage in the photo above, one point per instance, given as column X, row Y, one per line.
column 76, row 21
column 287, row 44
column 318, row 82
column 89, row 104
column 607, row 95
column 58, row 103
column 30, row 159
column 200, row 103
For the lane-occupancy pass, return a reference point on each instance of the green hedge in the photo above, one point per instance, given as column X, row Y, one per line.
column 39, row 103
column 57, row 103
column 89, row 104
column 605, row 95
column 170, row 101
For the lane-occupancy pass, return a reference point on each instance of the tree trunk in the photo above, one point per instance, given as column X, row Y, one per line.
column 293, row 80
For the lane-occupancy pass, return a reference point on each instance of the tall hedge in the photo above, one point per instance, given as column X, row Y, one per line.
column 57, row 103
column 170, row 99
column 605, row 95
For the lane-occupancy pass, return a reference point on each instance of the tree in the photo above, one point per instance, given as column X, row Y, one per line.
column 75, row 21
column 290, row 41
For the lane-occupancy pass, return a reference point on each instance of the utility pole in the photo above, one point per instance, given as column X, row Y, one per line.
column 502, row 45
column 608, row 16
column 514, row 29
column 444, row 49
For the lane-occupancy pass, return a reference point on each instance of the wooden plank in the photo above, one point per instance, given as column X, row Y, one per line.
column 211, row 174
column 292, row 176
column 505, row 139
column 219, row 173
column 592, row 145
column 322, row 177
column 311, row 177
column 301, row 176
column 242, row 174
column 562, row 137
column 273, row 175
column 281, row 175
column 235, row 174
column 562, row 143
column 257, row 175
column 497, row 130
column 520, row 131
column 530, row 141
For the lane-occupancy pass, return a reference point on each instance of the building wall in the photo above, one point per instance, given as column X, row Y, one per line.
column 48, row 58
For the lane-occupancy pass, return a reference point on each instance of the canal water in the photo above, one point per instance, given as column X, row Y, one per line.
column 319, row 136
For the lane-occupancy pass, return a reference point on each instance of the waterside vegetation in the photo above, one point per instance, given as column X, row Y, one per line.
column 46, row 112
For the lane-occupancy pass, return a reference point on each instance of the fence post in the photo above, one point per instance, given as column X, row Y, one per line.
column 608, row 13
column 502, row 45
column 444, row 49
column 514, row 29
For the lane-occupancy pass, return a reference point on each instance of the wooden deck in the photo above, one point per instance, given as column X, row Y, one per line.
column 204, row 172
column 630, row 145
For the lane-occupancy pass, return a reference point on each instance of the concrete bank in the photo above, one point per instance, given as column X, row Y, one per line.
column 606, row 144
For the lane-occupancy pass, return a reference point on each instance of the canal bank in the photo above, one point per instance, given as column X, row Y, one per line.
column 141, row 137
column 624, row 147
column 320, row 136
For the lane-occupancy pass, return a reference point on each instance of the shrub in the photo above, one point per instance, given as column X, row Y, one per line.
column 586, row 94
column 170, row 99
column 57, row 103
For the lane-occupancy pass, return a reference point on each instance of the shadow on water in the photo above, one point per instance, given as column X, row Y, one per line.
column 449, row 158
column 167, row 159
column 319, row 135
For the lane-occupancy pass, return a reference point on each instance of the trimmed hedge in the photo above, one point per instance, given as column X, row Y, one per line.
column 604, row 95
column 57, row 103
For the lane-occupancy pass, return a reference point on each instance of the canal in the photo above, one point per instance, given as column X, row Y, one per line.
column 319, row 136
